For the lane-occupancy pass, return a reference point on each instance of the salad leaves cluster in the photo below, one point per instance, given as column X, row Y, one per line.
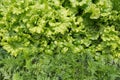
column 73, row 30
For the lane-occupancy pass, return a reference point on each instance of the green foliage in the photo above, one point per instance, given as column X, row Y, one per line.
column 59, row 40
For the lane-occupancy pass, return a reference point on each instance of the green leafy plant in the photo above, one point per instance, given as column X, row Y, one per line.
column 59, row 40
